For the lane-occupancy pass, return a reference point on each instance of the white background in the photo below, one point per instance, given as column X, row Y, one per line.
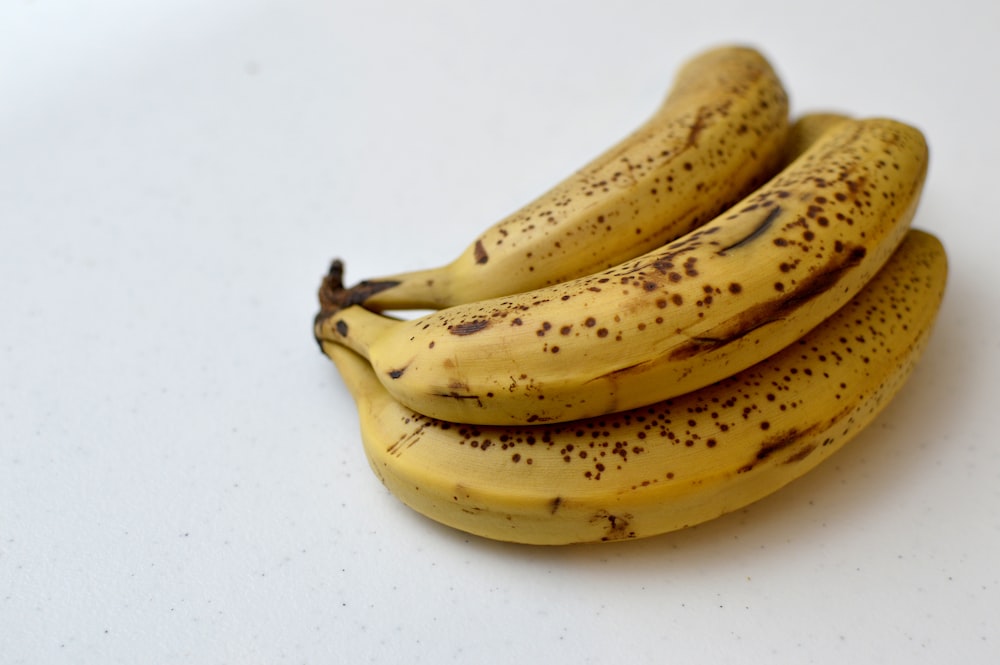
column 181, row 479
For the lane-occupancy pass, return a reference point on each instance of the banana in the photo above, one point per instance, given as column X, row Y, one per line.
column 807, row 129
column 716, row 137
column 677, row 463
column 703, row 307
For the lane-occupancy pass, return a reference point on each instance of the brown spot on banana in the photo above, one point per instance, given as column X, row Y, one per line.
column 707, row 343
column 616, row 526
column 802, row 454
column 781, row 442
column 765, row 224
column 460, row 396
column 480, row 253
column 397, row 448
column 469, row 327
column 698, row 126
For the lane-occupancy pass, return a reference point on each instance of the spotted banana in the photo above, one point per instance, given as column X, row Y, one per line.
column 673, row 464
column 718, row 135
column 705, row 306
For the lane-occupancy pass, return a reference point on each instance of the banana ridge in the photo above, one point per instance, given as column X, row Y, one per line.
column 703, row 307
column 673, row 464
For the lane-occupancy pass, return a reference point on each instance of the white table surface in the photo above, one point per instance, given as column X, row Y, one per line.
column 181, row 479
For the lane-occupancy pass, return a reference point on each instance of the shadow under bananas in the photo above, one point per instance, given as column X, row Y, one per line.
column 890, row 456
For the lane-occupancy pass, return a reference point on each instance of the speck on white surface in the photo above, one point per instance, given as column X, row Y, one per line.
column 181, row 479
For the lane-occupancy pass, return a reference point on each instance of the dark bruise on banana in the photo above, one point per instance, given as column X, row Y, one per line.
column 837, row 211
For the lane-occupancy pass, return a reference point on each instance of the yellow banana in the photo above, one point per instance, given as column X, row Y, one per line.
column 718, row 135
column 807, row 129
column 674, row 464
column 701, row 308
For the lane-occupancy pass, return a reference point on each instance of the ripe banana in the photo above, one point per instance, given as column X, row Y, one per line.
column 716, row 137
column 674, row 464
column 807, row 129
column 701, row 308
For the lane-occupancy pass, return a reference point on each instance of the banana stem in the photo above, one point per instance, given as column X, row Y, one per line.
column 418, row 289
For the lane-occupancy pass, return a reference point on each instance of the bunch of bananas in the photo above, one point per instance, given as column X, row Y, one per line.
column 700, row 315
